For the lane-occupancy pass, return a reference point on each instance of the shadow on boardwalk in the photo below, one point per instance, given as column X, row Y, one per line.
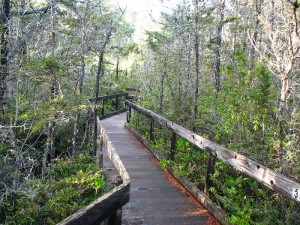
column 156, row 198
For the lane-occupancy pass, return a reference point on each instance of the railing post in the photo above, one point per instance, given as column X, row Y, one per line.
column 101, row 139
column 173, row 146
column 125, row 99
column 151, row 129
column 137, row 120
column 116, row 217
column 117, row 103
column 99, row 143
column 128, row 114
column 209, row 172
column 103, row 103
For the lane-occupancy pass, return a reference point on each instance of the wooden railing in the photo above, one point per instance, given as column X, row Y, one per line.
column 268, row 177
column 110, row 105
column 106, row 210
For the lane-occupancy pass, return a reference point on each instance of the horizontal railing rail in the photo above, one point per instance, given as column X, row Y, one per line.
column 277, row 182
column 109, row 105
column 106, row 97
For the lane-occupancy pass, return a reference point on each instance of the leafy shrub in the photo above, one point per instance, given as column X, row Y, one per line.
column 70, row 185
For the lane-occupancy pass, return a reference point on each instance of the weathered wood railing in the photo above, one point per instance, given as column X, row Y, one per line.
column 117, row 102
column 133, row 93
column 268, row 177
column 106, row 210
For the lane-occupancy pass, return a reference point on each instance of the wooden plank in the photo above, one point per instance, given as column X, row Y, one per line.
column 104, row 116
column 268, row 177
column 143, row 140
column 154, row 193
column 101, row 208
column 199, row 195
column 173, row 146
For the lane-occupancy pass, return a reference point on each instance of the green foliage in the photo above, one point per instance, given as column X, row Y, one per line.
column 240, row 116
column 70, row 185
column 189, row 161
column 247, row 202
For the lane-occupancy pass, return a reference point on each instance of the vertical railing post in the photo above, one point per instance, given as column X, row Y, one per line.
column 99, row 144
column 95, row 139
column 117, row 103
column 209, row 172
column 128, row 114
column 151, row 129
column 125, row 98
column 116, row 217
column 103, row 104
column 137, row 120
column 173, row 146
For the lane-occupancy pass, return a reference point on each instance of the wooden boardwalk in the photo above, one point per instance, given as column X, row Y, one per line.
column 156, row 198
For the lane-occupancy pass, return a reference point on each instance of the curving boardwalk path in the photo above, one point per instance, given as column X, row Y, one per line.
column 156, row 198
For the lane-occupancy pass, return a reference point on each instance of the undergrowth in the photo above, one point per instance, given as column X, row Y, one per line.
column 70, row 185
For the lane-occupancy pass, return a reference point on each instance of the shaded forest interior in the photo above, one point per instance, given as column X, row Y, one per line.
column 226, row 69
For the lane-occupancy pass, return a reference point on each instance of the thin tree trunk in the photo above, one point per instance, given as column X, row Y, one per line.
column 97, row 82
column 22, row 41
column 4, row 52
column 78, row 88
column 161, row 93
column 188, row 75
column 196, row 50
column 117, row 69
column 218, row 48
column 281, row 116
column 49, row 148
column 258, row 5
column 293, row 49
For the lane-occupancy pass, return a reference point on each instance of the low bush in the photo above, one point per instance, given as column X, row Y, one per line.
column 70, row 185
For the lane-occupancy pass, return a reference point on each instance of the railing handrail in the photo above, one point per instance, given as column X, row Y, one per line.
column 264, row 175
column 105, row 97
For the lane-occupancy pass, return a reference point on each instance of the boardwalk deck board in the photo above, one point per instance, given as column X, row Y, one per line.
column 155, row 197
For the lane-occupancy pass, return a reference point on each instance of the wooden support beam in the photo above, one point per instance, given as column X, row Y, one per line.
column 151, row 130
column 103, row 106
column 117, row 103
column 209, row 172
column 100, row 140
column 173, row 146
column 129, row 115
column 137, row 120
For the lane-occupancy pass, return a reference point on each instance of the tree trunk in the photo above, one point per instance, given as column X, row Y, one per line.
column 117, row 69
column 49, row 148
column 161, row 92
column 258, row 5
column 97, row 82
column 188, row 75
column 78, row 88
column 4, row 52
column 281, row 116
column 218, row 48
column 196, row 50
column 22, row 40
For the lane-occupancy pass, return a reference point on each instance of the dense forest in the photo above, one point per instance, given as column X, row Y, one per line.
column 226, row 69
